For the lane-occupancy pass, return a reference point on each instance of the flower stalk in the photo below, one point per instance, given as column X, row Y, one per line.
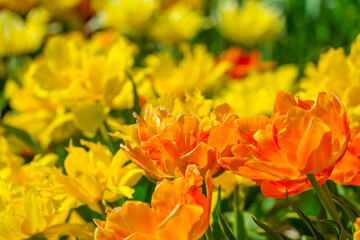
column 329, row 205
column 239, row 229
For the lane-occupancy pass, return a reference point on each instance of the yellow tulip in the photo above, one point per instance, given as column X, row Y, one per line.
column 175, row 24
column 251, row 23
column 73, row 86
column 96, row 175
column 196, row 70
column 21, row 37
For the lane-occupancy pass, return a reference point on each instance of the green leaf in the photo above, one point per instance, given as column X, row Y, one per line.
column 238, row 225
column 24, row 136
column 328, row 223
column 3, row 100
column 225, row 227
column 209, row 234
column 218, row 206
column 37, row 238
column 87, row 214
column 351, row 211
column 306, row 220
column 272, row 232
column 218, row 233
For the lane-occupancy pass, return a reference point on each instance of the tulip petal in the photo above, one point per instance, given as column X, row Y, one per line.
column 314, row 150
column 179, row 223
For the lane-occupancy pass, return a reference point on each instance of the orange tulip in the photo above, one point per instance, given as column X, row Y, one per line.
column 300, row 138
column 347, row 170
column 168, row 144
column 179, row 211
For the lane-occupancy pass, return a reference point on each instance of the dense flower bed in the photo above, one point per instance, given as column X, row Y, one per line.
column 179, row 119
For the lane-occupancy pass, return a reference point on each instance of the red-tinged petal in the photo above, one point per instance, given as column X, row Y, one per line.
column 266, row 148
column 293, row 128
column 347, row 169
column 302, row 137
column 278, row 189
column 314, row 150
column 238, row 166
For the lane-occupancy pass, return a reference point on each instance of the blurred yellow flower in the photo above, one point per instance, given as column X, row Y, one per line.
column 10, row 163
column 228, row 181
column 193, row 4
column 342, row 80
column 96, row 175
column 175, row 24
column 254, row 94
column 130, row 16
column 252, row 23
column 197, row 69
column 20, row 37
column 166, row 22
column 75, row 83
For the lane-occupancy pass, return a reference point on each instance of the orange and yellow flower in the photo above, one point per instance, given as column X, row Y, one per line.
column 347, row 170
column 300, row 138
column 167, row 144
column 179, row 210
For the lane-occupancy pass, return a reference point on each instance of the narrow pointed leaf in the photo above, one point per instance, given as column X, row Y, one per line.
column 328, row 223
column 225, row 227
column 272, row 232
column 351, row 211
column 306, row 220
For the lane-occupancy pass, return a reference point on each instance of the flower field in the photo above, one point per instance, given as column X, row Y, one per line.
column 179, row 119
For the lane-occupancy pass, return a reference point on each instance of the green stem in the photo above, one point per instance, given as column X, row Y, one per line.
column 238, row 228
column 327, row 202
column 327, row 192
column 209, row 234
